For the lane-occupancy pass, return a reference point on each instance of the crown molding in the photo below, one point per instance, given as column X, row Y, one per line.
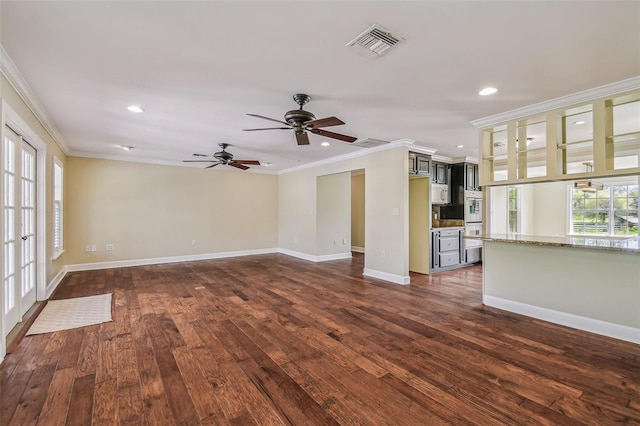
column 17, row 81
column 112, row 157
column 562, row 102
column 361, row 153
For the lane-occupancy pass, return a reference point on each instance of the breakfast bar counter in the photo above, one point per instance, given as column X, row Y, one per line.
column 592, row 284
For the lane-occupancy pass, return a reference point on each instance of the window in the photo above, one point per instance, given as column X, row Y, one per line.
column 513, row 202
column 610, row 211
column 58, row 247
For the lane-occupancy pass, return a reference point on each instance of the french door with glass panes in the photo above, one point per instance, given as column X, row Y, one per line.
column 19, row 229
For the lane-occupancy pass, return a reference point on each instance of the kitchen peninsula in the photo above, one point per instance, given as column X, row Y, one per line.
column 592, row 284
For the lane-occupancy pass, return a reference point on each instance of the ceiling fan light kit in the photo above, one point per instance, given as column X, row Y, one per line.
column 587, row 185
column 302, row 121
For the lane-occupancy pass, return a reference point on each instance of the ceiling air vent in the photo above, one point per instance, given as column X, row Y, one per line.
column 369, row 143
column 374, row 41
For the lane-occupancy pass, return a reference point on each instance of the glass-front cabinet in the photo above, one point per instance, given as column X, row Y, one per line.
column 593, row 139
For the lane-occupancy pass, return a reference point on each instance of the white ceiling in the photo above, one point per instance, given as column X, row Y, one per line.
column 199, row 67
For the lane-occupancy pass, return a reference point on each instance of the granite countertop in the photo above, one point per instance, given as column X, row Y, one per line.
column 631, row 244
column 447, row 223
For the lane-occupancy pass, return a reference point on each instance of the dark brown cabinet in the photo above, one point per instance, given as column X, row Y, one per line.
column 464, row 177
column 439, row 172
column 419, row 164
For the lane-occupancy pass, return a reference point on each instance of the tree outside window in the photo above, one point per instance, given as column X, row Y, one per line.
column 513, row 195
column 610, row 211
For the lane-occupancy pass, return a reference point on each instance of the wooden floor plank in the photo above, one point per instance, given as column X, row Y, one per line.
column 270, row 339
column 81, row 404
column 56, row 405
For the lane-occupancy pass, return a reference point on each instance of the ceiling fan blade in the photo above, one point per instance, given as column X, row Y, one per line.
column 213, row 165
column 238, row 165
column 267, row 118
column 333, row 135
column 302, row 138
column 324, row 122
column 197, row 161
column 199, row 155
column 252, row 162
column 267, row 128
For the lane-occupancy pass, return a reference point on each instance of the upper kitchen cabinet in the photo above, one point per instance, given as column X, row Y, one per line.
column 419, row 164
column 464, row 177
column 439, row 172
column 580, row 136
column 472, row 179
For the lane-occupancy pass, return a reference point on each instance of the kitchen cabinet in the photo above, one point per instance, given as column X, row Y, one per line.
column 446, row 248
column 472, row 181
column 419, row 164
column 439, row 172
column 464, row 177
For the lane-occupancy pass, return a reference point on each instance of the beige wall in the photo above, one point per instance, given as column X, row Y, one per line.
column 150, row 211
column 419, row 224
column 386, row 189
column 14, row 105
column 334, row 214
column 357, row 210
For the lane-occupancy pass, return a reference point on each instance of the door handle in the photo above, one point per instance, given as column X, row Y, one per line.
column 25, row 238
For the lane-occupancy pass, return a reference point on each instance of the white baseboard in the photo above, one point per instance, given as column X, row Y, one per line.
column 622, row 332
column 314, row 258
column 396, row 279
column 51, row 287
column 357, row 249
column 172, row 259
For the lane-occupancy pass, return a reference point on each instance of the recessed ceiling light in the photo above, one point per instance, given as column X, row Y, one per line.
column 325, row 143
column 579, row 122
column 126, row 148
column 487, row 91
column 135, row 108
column 459, row 146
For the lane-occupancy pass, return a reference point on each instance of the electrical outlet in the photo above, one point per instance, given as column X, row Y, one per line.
column 335, row 242
column 93, row 247
column 344, row 241
column 87, row 248
column 382, row 253
column 193, row 242
column 109, row 247
column 295, row 240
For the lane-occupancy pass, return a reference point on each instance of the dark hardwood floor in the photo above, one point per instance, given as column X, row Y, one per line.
column 271, row 339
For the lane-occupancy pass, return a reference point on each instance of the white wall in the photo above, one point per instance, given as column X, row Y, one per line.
column 543, row 209
column 386, row 189
column 496, row 209
column 549, row 208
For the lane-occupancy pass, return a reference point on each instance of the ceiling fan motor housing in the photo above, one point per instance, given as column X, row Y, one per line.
column 298, row 116
column 223, row 155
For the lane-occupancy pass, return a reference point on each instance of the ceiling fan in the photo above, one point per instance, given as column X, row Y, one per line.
column 302, row 121
column 224, row 157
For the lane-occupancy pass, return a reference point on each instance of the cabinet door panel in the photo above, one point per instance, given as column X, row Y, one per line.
column 449, row 244
column 449, row 259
